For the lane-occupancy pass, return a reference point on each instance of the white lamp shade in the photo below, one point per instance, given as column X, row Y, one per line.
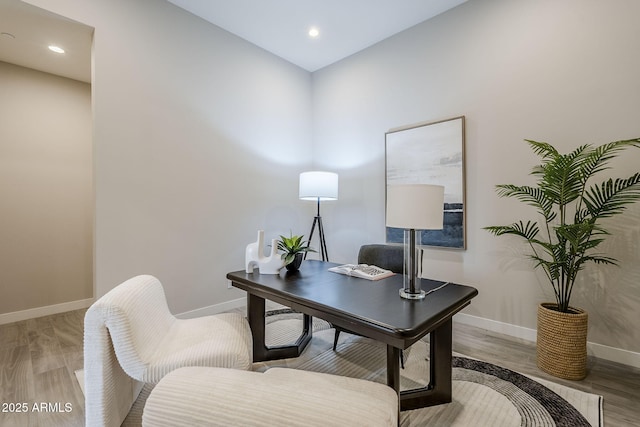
column 316, row 185
column 415, row 206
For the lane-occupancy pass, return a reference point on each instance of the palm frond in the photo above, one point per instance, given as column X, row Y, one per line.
column 598, row 158
column 612, row 197
column 577, row 234
column 542, row 149
column 600, row 259
column 527, row 231
column 529, row 195
column 560, row 176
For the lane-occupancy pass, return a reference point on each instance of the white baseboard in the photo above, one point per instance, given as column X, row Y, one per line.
column 32, row 313
column 214, row 309
column 495, row 326
column 600, row 351
column 614, row 354
column 47, row 310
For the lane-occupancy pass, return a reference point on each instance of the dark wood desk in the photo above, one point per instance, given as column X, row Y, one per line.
column 370, row 308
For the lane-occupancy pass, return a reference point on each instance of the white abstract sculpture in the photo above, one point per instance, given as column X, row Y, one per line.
column 254, row 257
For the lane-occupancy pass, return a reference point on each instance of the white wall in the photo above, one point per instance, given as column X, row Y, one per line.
column 46, row 207
column 199, row 138
column 563, row 72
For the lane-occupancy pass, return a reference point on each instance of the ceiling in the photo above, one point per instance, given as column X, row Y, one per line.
column 26, row 32
column 278, row 26
column 345, row 26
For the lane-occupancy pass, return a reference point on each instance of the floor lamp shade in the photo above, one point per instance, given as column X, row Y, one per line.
column 317, row 185
column 414, row 207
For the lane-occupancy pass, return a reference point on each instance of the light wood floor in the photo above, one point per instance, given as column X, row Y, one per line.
column 38, row 358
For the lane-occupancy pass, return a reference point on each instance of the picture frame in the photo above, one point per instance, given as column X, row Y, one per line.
column 431, row 153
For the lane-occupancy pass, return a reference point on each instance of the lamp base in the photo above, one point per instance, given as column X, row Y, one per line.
column 409, row 295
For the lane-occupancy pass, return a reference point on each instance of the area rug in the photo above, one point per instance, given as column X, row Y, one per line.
column 483, row 394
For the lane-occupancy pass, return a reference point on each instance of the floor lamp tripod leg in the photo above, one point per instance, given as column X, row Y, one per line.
column 323, row 243
column 313, row 228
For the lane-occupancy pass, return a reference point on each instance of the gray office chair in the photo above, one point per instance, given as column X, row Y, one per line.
column 389, row 257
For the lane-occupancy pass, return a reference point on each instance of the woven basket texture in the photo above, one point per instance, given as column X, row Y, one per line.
column 562, row 342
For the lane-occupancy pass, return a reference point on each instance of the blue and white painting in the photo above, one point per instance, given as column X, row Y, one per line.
column 431, row 153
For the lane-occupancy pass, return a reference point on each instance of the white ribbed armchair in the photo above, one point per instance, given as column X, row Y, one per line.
column 131, row 338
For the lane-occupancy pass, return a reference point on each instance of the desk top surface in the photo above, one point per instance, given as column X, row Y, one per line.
column 359, row 302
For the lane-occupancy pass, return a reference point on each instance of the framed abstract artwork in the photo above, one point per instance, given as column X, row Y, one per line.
column 431, row 153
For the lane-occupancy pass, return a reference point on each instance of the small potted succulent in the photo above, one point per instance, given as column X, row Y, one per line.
column 293, row 251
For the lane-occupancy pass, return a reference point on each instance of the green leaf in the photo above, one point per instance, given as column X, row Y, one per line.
column 292, row 245
column 598, row 158
column 529, row 195
column 527, row 231
column 542, row 149
column 612, row 197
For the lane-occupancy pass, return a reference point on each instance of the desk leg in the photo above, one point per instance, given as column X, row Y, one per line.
column 440, row 363
column 439, row 389
column 393, row 372
column 393, row 367
column 256, row 318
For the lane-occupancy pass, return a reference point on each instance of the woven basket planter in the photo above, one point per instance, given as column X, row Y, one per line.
column 562, row 342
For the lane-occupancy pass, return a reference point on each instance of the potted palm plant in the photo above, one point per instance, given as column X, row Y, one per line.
column 572, row 209
column 293, row 250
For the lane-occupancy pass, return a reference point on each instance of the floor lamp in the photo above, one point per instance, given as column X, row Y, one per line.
column 414, row 207
column 318, row 186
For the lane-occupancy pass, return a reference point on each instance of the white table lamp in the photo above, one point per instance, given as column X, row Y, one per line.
column 414, row 207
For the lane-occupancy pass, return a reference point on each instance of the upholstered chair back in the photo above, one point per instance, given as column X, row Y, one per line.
column 389, row 257
column 138, row 319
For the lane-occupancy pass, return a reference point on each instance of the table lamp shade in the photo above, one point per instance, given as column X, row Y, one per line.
column 415, row 206
column 316, row 185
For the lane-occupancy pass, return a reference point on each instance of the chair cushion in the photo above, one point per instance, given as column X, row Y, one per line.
column 280, row 396
column 223, row 340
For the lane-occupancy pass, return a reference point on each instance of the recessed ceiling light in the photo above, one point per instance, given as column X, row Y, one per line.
column 314, row 32
column 56, row 49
